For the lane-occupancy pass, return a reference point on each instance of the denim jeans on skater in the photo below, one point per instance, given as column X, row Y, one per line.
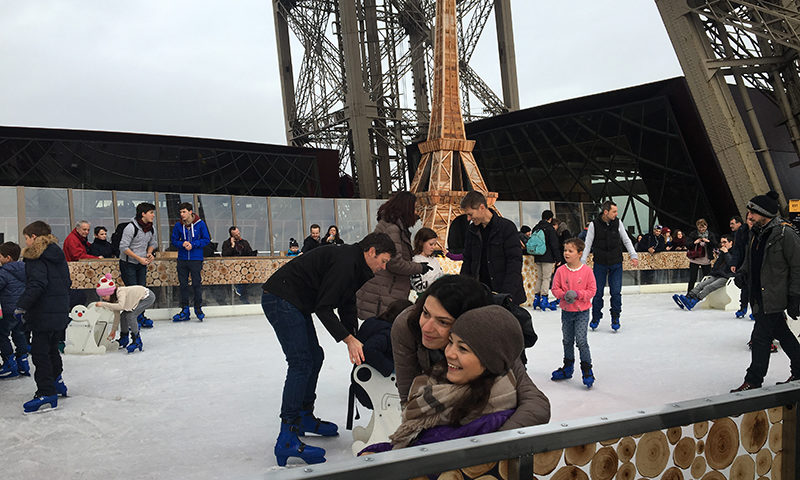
column 193, row 267
column 11, row 327
column 614, row 275
column 300, row 345
column 768, row 327
column 573, row 332
column 133, row 273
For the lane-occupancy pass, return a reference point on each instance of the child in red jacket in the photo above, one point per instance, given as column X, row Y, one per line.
column 575, row 286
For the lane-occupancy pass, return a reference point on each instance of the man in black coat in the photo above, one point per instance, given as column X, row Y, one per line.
column 317, row 282
column 491, row 249
column 653, row 242
column 312, row 241
column 545, row 264
column 44, row 309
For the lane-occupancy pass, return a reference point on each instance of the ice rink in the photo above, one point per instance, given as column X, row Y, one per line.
column 202, row 399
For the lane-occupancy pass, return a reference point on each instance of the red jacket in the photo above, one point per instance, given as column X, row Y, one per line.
column 75, row 247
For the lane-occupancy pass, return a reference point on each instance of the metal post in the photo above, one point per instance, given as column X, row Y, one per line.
column 508, row 56
column 285, row 67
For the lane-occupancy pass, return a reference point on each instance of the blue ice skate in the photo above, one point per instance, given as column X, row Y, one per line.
column 677, row 299
column 741, row 312
column 564, row 372
column 181, row 316
column 311, row 424
column 615, row 323
column 61, row 388
column 290, row 445
column 40, row 404
column 136, row 343
column 198, row 312
column 689, row 302
column 10, row 368
column 588, row 375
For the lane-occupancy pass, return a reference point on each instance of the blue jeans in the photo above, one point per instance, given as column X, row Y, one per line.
column 133, row 273
column 573, row 332
column 614, row 274
column 10, row 327
column 193, row 267
column 300, row 345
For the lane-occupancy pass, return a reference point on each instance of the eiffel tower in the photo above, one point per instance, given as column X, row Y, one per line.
column 447, row 170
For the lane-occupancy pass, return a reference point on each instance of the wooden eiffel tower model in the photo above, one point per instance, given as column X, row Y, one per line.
column 447, row 170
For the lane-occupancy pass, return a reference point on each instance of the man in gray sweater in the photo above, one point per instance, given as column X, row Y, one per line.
column 136, row 249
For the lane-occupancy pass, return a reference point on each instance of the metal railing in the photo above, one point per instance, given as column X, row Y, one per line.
column 518, row 446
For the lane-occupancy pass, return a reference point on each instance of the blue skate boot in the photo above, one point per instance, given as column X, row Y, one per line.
column 553, row 305
column 198, row 312
column 588, row 375
column 689, row 302
column 593, row 324
column 615, row 323
column 564, row 372
column 10, row 368
column 677, row 299
column 61, row 388
column 311, row 424
column 143, row 321
column 135, row 343
column 181, row 316
column 123, row 340
column 741, row 312
column 290, row 445
column 22, row 365
column 537, row 301
column 544, row 304
column 35, row 405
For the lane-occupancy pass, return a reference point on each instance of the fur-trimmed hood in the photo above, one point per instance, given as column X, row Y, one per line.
column 40, row 244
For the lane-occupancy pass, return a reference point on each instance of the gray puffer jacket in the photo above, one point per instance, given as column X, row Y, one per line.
column 391, row 284
column 780, row 268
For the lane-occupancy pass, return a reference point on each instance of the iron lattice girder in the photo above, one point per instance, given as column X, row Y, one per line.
column 763, row 18
column 319, row 114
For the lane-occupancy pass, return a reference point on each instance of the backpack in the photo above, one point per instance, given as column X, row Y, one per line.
column 536, row 245
column 116, row 237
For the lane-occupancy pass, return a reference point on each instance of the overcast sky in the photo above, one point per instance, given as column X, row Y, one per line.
column 209, row 69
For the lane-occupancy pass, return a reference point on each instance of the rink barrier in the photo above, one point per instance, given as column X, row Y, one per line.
column 722, row 437
column 162, row 272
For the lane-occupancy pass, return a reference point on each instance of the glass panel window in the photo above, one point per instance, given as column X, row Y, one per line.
column 251, row 218
column 372, row 216
column 510, row 211
column 321, row 212
column 287, row 222
column 96, row 207
column 216, row 211
column 570, row 215
column 8, row 215
column 49, row 205
column 352, row 219
column 532, row 212
column 127, row 202
column 167, row 210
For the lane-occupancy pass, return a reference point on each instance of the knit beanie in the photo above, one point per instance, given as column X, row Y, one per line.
column 106, row 285
column 293, row 243
column 766, row 205
column 493, row 334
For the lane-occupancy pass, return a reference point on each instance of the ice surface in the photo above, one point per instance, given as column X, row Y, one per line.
column 202, row 400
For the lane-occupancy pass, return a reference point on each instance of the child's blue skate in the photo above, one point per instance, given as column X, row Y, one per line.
column 40, row 404
column 677, row 299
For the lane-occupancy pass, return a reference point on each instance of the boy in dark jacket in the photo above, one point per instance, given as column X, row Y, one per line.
column 720, row 273
column 544, row 264
column 101, row 247
column 44, row 309
column 12, row 284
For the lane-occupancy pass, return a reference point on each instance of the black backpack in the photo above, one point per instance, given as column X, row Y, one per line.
column 116, row 237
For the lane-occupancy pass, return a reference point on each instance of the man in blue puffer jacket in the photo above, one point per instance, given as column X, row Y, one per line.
column 12, row 284
column 44, row 308
column 189, row 236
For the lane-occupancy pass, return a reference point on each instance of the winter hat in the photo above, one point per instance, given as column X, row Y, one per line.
column 105, row 286
column 525, row 229
column 493, row 334
column 293, row 243
column 766, row 205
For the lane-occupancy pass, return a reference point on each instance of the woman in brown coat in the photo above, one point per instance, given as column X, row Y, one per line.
column 395, row 217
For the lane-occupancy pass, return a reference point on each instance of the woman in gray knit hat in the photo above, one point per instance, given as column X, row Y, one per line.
column 472, row 390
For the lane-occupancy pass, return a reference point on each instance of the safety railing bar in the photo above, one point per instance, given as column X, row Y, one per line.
column 417, row 461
